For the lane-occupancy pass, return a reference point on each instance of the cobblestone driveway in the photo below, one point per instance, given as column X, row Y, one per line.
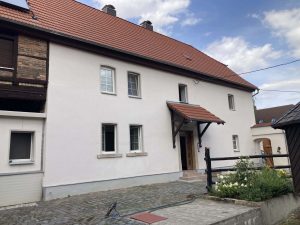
column 91, row 208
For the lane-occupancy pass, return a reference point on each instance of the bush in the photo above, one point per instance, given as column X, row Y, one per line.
column 251, row 185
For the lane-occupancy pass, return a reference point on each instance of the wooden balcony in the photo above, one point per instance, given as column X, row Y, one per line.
column 23, row 89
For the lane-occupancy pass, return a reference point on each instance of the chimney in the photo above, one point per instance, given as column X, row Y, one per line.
column 147, row 24
column 110, row 9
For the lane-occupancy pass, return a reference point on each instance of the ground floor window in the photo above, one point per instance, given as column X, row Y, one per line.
column 21, row 146
column 135, row 137
column 235, row 142
column 109, row 137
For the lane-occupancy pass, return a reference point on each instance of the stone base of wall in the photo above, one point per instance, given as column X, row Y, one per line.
column 272, row 211
column 61, row 191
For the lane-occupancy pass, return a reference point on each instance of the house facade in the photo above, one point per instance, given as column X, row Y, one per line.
column 267, row 139
column 85, row 111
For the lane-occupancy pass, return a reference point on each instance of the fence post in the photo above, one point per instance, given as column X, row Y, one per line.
column 208, row 169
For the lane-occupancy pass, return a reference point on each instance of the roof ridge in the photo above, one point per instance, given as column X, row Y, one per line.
column 287, row 113
column 132, row 23
column 276, row 107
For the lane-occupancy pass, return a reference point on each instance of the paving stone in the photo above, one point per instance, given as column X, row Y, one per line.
column 91, row 208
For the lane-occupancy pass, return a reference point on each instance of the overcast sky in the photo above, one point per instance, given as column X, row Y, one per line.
column 245, row 35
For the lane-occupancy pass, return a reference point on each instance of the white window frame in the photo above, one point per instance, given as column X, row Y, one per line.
column 140, row 141
column 231, row 102
column 113, row 80
column 138, row 84
column 235, row 142
column 32, row 148
column 115, row 141
column 186, row 93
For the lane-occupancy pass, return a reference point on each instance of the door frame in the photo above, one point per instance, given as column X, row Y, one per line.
column 190, row 149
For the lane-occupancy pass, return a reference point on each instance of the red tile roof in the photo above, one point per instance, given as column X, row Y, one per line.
column 76, row 20
column 194, row 112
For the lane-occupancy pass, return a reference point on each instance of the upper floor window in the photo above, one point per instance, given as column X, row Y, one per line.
column 135, row 138
column 134, row 84
column 235, row 142
column 183, row 93
column 6, row 53
column 107, row 78
column 231, row 102
column 109, row 138
column 20, row 147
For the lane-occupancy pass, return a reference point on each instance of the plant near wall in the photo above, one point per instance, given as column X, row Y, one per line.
column 251, row 185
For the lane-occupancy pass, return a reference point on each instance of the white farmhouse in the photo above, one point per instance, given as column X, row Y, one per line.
column 89, row 102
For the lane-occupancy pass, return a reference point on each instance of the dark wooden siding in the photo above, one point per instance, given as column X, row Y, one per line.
column 6, row 53
column 293, row 141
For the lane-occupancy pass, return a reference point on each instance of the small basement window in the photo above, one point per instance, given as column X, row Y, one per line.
column 231, row 102
column 235, row 142
column 21, row 144
column 183, row 93
column 135, row 138
column 109, row 138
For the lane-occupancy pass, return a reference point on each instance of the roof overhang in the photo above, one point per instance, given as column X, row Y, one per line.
column 194, row 113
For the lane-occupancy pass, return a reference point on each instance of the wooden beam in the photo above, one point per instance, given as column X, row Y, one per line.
column 204, row 130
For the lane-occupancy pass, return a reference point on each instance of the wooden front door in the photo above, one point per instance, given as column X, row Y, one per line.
column 187, row 151
column 268, row 151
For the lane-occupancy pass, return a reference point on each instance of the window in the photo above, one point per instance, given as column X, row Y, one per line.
column 107, row 77
column 108, row 138
column 134, row 84
column 20, row 146
column 6, row 53
column 231, row 102
column 235, row 142
column 183, row 93
column 135, row 138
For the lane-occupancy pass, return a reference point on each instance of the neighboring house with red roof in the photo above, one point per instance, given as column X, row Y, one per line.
column 89, row 102
column 269, row 140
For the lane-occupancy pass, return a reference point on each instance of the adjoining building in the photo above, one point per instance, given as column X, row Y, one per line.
column 92, row 102
column 267, row 139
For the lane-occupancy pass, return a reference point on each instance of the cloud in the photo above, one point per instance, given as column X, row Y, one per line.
column 270, row 98
column 240, row 55
column 191, row 20
column 286, row 24
column 164, row 14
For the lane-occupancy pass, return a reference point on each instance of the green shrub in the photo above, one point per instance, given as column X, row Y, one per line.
column 251, row 185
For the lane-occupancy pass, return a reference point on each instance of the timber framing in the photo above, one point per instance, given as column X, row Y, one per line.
column 108, row 51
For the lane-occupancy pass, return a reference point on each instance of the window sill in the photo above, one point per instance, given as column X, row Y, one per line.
column 236, row 150
column 12, row 163
column 108, row 93
column 132, row 96
column 109, row 155
column 136, row 154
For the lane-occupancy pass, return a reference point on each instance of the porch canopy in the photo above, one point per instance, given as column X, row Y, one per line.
column 183, row 113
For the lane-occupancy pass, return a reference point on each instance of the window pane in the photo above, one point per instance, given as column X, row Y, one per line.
column 231, row 102
column 133, row 84
column 108, row 138
column 134, row 138
column 182, row 93
column 20, row 146
column 6, row 53
column 107, row 80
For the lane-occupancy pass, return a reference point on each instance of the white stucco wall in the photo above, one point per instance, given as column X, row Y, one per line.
column 277, row 138
column 76, row 109
column 18, row 121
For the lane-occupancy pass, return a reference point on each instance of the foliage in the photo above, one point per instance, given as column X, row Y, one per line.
column 251, row 185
